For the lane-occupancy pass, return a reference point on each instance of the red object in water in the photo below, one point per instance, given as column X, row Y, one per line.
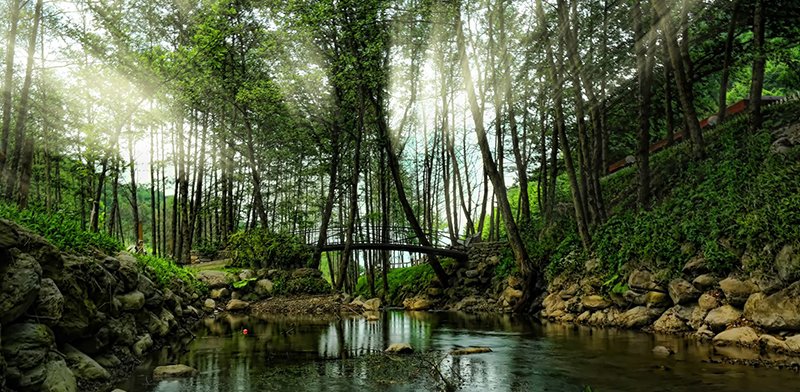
column 244, row 331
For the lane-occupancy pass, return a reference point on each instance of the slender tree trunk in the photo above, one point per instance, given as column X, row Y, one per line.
column 757, row 83
column 8, row 81
column 668, row 112
column 26, row 166
column 726, row 63
column 351, row 218
column 644, row 71
column 137, row 224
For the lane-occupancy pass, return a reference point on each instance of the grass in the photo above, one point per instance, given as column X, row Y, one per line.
column 403, row 282
column 168, row 273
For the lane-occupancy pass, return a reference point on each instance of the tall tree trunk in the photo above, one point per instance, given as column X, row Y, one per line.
column 683, row 83
column 347, row 252
column 757, row 82
column 22, row 110
column 26, row 166
column 668, row 112
column 327, row 210
column 8, row 81
column 137, row 224
column 644, row 71
column 726, row 63
column 514, row 239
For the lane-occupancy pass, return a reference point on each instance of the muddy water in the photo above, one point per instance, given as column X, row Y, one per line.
column 328, row 354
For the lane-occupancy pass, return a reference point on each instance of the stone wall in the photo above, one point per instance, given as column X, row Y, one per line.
column 69, row 321
column 756, row 310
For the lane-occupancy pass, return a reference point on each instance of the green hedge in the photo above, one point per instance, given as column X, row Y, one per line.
column 261, row 248
column 167, row 273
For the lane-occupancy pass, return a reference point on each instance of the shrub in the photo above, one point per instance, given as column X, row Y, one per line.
column 260, row 248
column 167, row 273
column 403, row 282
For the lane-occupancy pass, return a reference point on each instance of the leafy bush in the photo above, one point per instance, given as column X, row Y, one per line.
column 285, row 283
column 167, row 273
column 403, row 282
column 61, row 230
column 208, row 248
column 261, row 248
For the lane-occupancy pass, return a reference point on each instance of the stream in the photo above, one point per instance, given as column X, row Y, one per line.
column 325, row 353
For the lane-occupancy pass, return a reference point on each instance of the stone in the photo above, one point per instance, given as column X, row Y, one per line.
column 737, row 291
column 669, row 322
column 511, row 295
column 741, row 336
column 793, row 343
column 705, row 282
column 246, row 274
column 235, row 305
column 787, row 263
column 697, row 318
column 569, row 292
column 399, row 348
column 94, row 343
column 30, row 379
column 719, row 318
column 595, row 302
column 637, row 317
column 128, row 273
column 772, row 343
column 635, row 297
column 264, row 287
column 704, row 333
column 214, row 279
column 657, row 299
column 514, row 281
column 124, row 329
column 707, row 301
column 110, row 264
column 84, row 367
column 776, row 312
column 191, row 311
column 154, row 298
column 420, row 304
column 173, row 371
column 59, row 377
column 372, row 304
column 25, row 345
column 682, row 291
column 306, row 273
column 108, row 360
column 470, row 350
column 142, row 345
column 661, row 351
column 434, row 291
column 9, row 237
column 131, row 301
column 209, row 304
column 49, row 303
column 236, row 295
column 147, row 321
column 471, row 273
column 584, row 317
column 696, row 265
column 372, row 316
column 19, row 286
column 220, row 293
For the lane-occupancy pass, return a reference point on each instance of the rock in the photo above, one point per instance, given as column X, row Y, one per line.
column 49, row 303
column 30, row 379
column 25, row 345
column 656, row 299
column 772, row 343
column 737, row 291
column 84, row 367
column 697, row 318
column 306, row 273
column 358, row 301
column 236, row 295
column 682, row 291
column 704, row 333
column 584, row 317
column 174, row 371
column 514, row 281
column 793, row 343
column 637, row 317
column 661, row 351
column 787, row 263
column 670, row 322
column 220, row 293
column 767, row 283
column 776, row 312
column 95, row 343
column 511, row 295
column 742, row 336
column 707, row 301
column 247, row 274
column 209, row 304
column 128, row 273
column 372, row 316
column 142, row 345
column 399, row 348
column 372, row 304
column 434, row 291
column 9, row 237
column 59, row 377
column 705, row 282
column 635, row 297
column 470, row 350
column 154, row 298
column 237, row 305
column 595, row 302
column 569, row 292
column 108, row 360
column 110, row 264
column 147, row 321
column 471, row 273
column 191, row 311
column 214, row 279
column 131, row 301
column 264, row 287
column 420, row 304
column 19, row 286
column 124, row 329
column 696, row 265
column 719, row 318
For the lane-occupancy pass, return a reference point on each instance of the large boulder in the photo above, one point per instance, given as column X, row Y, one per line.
column 25, row 346
column 264, row 287
column 776, row 312
column 643, row 280
column 142, row 345
column 670, row 322
column 511, row 295
column 235, row 305
column 79, row 309
column 83, row 366
column 705, row 281
column 9, row 237
column 215, row 279
column 417, row 303
column 399, row 348
column 637, row 317
column 59, row 376
column 220, row 293
column 707, row 301
column 123, row 329
column 736, row 291
column 19, row 286
column 372, row 304
column 742, row 336
column 682, row 291
column 147, row 321
column 131, row 301
column 787, row 263
column 657, row 299
column 49, row 303
column 719, row 318
column 153, row 297
column 595, row 302
column 128, row 272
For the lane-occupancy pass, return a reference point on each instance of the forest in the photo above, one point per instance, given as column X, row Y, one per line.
column 181, row 123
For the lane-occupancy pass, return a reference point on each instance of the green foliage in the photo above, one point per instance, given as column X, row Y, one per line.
column 243, row 283
column 61, row 230
column 260, row 248
column 168, row 273
column 286, row 284
column 507, row 266
column 208, row 248
column 403, row 282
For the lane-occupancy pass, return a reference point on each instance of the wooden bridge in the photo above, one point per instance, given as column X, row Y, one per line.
column 403, row 239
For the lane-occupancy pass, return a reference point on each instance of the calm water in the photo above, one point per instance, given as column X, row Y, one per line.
column 317, row 354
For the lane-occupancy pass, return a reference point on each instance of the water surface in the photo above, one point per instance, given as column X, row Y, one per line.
column 313, row 353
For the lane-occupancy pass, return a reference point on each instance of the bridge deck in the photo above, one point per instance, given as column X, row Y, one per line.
column 456, row 254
